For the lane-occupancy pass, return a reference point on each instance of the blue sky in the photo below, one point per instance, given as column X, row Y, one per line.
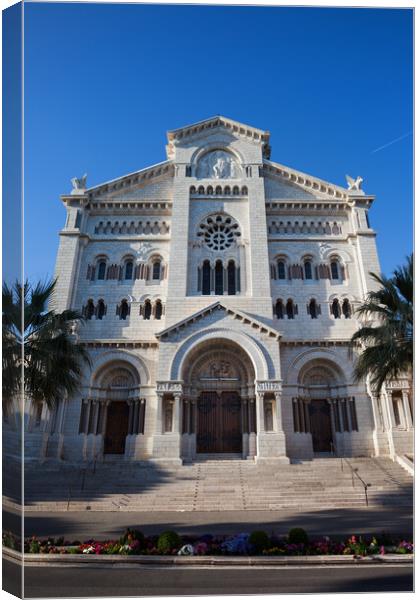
column 103, row 84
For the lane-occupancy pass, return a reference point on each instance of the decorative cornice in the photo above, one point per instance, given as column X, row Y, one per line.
column 146, row 207
column 318, row 343
column 119, row 344
column 137, row 178
column 294, row 207
column 314, row 184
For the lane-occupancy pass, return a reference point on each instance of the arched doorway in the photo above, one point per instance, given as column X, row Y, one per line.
column 219, row 381
column 320, row 384
column 112, row 409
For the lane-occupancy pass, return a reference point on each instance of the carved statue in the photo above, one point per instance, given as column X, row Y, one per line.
column 354, row 184
column 79, row 184
column 144, row 250
column 219, row 168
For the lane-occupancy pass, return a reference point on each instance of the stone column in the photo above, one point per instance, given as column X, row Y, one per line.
column 242, row 267
column 279, row 416
column 260, row 412
column 379, row 426
column 390, row 408
column 407, row 411
column 252, row 420
column 95, row 416
column 159, row 413
column 177, row 412
column 390, row 421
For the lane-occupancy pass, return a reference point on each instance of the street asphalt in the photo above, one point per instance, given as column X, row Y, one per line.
column 58, row 582
column 86, row 524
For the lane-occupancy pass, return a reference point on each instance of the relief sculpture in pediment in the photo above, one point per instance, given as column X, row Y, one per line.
column 218, row 165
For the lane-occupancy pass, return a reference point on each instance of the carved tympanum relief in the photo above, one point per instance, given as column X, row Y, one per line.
column 218, row 165
column 218, row 369
column 221, row 368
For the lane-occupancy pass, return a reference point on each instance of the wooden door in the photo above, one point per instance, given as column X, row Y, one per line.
column 320, row 414
column 219, row 423
column 230, row 403
column 116, row 428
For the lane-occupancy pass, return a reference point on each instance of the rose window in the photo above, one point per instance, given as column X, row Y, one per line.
column 219, row 232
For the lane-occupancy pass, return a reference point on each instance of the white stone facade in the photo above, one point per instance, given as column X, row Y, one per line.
column 227, row 278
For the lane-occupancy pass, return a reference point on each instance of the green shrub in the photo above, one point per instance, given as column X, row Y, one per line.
column 9, row 540
column 260, row 541
column 168, row 541
column 297, row 535
column 34, row 546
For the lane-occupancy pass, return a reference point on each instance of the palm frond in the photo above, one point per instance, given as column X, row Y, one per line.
column 388, row 339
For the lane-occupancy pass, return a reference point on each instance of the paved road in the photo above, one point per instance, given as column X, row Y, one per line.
column 59, row 582
column 78, row 525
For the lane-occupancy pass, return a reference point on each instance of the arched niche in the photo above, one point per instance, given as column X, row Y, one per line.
column 218, row 164
column 109, row 364
column 218, row 364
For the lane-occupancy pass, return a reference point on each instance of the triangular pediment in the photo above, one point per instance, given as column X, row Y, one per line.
column 146, row 182
column 239, row 315
column 283, row 182
column 217, row 123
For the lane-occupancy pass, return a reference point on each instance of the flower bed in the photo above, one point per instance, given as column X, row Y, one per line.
column 257, row 543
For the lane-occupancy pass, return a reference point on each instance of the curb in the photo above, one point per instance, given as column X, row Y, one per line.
column 61, row 560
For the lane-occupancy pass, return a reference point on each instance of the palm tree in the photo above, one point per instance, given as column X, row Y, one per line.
column 387, row 339
column 37, row 343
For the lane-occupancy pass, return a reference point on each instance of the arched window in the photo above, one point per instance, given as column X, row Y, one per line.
column 101, row 269
column 231, row 277
column 158, row 309
column 124, row 310
column 128, row 270
column 313, row 309
column 281, row 269
column 90, row 309
column 308, row 269
column 335, row 309
column 218, row 278
column 279, row 311
column 147, row 310
column 290, row 309
column 206, row 278
column 335, row 270
column 156, row 271
column 100, row 309
column 346, row 309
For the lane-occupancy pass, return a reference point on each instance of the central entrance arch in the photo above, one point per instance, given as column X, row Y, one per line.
column 219, row 377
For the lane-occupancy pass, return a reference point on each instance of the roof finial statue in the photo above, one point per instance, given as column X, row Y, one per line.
column 79, row 184
column 354, row 185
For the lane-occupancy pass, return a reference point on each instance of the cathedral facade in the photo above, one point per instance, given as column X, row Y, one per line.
column 219, row 290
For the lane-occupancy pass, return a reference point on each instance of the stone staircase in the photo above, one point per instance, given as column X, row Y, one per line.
column 218, row 485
